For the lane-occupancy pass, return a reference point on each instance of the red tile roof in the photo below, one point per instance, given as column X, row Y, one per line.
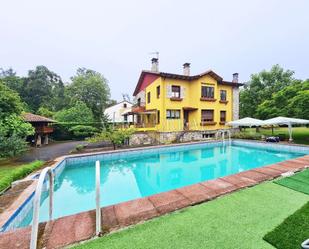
column 183, row 77
column 32, row 118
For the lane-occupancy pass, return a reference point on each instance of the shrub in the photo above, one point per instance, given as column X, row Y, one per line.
column 116, row 137
column 83, row 130
column 18, row 173
column 242, row 135
column 13, row 132
column 79, row 147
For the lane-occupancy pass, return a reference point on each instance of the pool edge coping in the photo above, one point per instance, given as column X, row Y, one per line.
column 139, row 211
column 13, row 210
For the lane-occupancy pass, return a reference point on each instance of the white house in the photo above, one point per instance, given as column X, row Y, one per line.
column 117, row 113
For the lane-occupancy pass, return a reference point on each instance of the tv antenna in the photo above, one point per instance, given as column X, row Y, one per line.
column 156, row 53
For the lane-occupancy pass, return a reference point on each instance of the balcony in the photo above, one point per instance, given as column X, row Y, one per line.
column 44, row 129
column 139, row 107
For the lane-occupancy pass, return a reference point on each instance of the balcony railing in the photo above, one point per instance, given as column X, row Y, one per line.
column 44, row 129
column 138, row 107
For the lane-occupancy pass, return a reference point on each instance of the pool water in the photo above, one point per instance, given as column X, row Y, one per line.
column 129, row 178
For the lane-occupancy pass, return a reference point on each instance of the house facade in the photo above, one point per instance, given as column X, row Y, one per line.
column 119, row 113
column 167, row 102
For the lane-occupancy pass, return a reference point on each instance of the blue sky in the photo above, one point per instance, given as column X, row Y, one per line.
column 116, row 37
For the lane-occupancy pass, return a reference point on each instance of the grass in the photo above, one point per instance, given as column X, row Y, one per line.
column 239, row 220
column 298, row 182
column 10, row 172
column 300, row 134
column 292, row 231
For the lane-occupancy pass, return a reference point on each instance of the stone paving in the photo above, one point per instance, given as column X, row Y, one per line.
column 71, row 229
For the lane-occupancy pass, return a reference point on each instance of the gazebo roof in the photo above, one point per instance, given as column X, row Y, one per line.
column 33, row 118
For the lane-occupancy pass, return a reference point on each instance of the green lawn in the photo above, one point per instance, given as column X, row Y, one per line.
column 10, row 171
column 300, row 134
column 238, row 220
column 294, row 229
column 298, row 182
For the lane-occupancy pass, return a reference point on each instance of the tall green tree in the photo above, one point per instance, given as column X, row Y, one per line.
column 10, row 79
column 79, row 113
column 292, row 101
column 78, row 120
column 43, row 88
column 91, row 88
column 261, row 88
column 13, row 129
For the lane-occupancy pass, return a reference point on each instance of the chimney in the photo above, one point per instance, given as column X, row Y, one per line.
column 186, row 69
column 155, row 65
column 235, row 78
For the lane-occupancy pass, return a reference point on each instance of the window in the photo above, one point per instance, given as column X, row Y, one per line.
column 175, row 91
column 125, row 118
column 207, row 115
column 223, row 95
column 208, row 92
column 158, row 117
column 158, row 92
column 173, row 114
column 222, row 116
column 148, row 97
column 125, row 105
column 139, row 102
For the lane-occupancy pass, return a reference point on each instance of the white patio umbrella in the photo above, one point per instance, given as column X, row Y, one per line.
column 246, row 122
column 286, row 121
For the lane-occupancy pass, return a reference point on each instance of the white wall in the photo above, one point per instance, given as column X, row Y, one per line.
column 115, row 112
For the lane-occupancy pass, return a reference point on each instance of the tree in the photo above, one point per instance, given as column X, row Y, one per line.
column 290, row 101
column 13, row 129
column 43, row 88
column 91, row 88
column 116, row 137
column 77, row 120
column 111, row 102
column 43, row 111
column 10, row 79
column 299, row 105
column 79, row 113
column 261, row 88
column 10, row 102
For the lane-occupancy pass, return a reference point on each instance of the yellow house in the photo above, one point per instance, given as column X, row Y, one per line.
column 167, row 102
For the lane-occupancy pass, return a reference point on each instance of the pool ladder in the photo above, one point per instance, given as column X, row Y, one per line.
column 37, row 201
column 222, row 133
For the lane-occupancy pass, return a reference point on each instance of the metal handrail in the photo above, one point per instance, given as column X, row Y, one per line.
column 37, row 201
column 97, row 198
column 222, row 132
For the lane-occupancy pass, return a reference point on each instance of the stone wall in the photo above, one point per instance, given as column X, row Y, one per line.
column 154, row 138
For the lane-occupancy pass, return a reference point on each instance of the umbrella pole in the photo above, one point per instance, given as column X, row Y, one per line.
column 290, row 132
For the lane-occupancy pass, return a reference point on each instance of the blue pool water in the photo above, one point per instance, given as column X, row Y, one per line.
column 140, row 175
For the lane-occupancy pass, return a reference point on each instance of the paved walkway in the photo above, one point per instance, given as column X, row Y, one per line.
column 49, row 152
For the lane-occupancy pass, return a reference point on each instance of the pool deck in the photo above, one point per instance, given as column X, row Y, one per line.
column 74, row 228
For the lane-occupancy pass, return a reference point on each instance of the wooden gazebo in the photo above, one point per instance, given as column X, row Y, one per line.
column 41, row 125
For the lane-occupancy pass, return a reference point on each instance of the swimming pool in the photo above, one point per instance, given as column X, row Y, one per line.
column 133, row 174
